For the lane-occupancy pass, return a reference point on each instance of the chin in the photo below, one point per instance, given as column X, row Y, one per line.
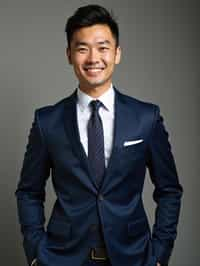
column 97, row 82
column 94, row 85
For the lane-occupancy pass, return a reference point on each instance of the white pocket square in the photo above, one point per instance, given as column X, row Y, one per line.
column 132, row 142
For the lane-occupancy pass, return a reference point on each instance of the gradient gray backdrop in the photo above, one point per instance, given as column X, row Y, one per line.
column 160, row 64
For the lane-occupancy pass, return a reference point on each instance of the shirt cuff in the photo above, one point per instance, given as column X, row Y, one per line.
column 33, row 262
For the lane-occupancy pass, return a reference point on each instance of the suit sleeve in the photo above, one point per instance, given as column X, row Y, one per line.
column 167, row 192
column 30, row 191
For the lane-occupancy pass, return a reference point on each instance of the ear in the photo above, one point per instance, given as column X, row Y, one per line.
column 68, row 55
column 118, row 55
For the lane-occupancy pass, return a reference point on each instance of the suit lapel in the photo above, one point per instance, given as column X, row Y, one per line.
column 71, row 128
column 120, row 129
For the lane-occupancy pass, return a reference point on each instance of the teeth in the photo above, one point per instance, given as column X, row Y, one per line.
column 94, row 69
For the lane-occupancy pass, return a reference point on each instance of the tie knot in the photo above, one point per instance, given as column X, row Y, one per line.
column 95, row 104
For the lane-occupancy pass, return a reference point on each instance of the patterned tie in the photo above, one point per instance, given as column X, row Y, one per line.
column 96, row 143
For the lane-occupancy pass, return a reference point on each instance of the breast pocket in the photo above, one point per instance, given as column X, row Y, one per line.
column 132, row 152
column 134, row 147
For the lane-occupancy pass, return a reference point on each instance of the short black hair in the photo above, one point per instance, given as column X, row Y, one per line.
column 90, row 15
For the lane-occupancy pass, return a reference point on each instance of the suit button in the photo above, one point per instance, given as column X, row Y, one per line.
column 100, row 197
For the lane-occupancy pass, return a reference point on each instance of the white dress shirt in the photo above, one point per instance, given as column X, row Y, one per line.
column 106, row 112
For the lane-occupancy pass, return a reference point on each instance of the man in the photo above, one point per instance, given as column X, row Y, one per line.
column 97, row 143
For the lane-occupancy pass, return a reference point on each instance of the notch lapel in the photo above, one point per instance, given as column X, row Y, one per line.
column 72, row 131
column 121, row 127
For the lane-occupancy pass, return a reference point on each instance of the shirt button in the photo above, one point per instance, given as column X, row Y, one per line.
column 100, row 197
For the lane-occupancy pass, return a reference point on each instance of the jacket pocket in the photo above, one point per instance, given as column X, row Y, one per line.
column 138, row 227
column 59, row 231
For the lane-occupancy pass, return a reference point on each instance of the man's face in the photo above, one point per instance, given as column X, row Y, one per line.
column 93, row 54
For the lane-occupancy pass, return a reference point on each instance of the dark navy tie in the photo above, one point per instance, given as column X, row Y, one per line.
column 96, row 143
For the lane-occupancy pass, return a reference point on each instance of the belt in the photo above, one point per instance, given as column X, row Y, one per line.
column 98, row 253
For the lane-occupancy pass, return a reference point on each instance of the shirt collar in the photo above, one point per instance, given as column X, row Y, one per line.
column 107, row 99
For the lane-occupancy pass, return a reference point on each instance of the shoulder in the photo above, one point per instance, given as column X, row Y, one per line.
column 49, row 112
column 139, row 106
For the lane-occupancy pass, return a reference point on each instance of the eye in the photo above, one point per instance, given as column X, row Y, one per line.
column 82, row 50
column 103, row 48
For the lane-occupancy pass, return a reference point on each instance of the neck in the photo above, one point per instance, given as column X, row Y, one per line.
column 95, row 92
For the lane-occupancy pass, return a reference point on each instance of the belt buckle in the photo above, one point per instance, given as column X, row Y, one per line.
column 94, row 257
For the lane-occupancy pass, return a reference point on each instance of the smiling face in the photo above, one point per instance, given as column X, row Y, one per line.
column 93, row 54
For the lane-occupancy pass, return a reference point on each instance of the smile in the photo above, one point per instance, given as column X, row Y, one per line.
column 93, row 70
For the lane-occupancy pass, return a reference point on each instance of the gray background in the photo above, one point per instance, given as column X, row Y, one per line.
column 160, row 64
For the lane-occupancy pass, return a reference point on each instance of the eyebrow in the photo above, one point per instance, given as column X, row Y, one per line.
column 80, row 43
column 85, row 44
column 104, row 42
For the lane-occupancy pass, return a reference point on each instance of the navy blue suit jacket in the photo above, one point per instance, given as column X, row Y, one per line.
column 54, row 147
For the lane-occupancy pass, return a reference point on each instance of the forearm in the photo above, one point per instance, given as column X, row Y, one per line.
column 31, row 218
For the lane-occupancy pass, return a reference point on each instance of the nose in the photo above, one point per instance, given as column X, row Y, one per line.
column 93, row 56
